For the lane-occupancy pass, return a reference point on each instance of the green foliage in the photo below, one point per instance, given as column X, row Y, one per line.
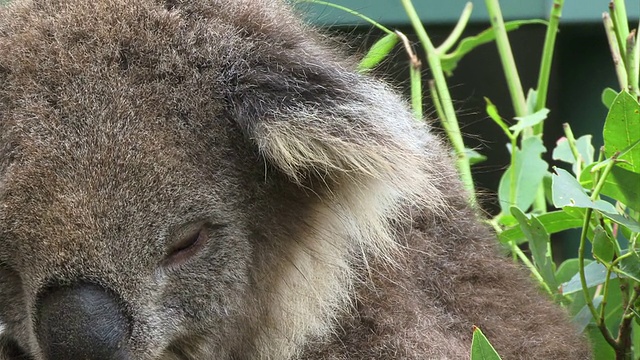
column 519, row 183
column 622, row 131
column 600, row 195
column 378, row 52
column 450, row 61
column 481, row 349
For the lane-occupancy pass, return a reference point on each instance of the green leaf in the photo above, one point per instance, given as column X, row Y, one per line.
column 527, row 173
column 621, row 185
column 635, row 338
column 562, row 151
column 595, row 274
column 507, row 220
column 608, row 96
column 567, row 191
column 539, row 244
column 585, row 149
column 622, row 131
column 378, row 52
column 603, row 247
column 553, row 222
column 568, row 269
column 492, row 111
column 601, row 348
column 474, row 156
column 584, row 316
column 481, row 348
column 450, row 61
column 630, row 266
column 532, row 97
column 529, row 120
column 632, row 224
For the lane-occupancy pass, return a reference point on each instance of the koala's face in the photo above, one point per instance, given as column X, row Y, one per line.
column 121, row 232
column 189, row 179
column 131, row 203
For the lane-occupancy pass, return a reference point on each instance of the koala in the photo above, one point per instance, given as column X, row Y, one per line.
column 212, row 179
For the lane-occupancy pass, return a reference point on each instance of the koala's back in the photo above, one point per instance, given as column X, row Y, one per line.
column 209, row 179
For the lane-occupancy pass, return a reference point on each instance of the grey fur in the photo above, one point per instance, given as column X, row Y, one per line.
column 331, row 225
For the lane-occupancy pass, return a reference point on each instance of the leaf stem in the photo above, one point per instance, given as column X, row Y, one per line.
column 506, row 57
column 568, row 133
column 415, row 74
column 349, row 11
column 450, row 122
column 453, row 38
column 632, row 63
column 619, row 14
column 583, row 281
column 547, row 60
column 581, row 252
column 525, row 260
column 436, row 100
column 618, row 62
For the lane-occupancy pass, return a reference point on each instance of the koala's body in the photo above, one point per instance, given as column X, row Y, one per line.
column 208, row 179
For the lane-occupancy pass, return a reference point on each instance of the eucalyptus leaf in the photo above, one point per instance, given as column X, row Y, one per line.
column 608, row 96
column 562, row 151
column 568, row 269
column 585, row 149
column 539, row 244
column 529, row 120
column 595, row 274
column 622, row 131
column 621, row 185
column 630, row 266
column 450, row 61
column 567, row 191
column 474, row 156
column 378, row 52
column 632, row 224
column 603, row 246
column 553, row 222
column 481, row 348
column 525, row 176
column 532, row 98
column 584, row 316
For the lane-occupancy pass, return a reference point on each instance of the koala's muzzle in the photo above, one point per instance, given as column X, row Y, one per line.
column 83, row 321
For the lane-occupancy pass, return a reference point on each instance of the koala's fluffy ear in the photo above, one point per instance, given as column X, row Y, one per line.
column 308, row 114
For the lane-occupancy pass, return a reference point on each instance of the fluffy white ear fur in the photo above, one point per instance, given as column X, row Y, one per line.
column 379, row 160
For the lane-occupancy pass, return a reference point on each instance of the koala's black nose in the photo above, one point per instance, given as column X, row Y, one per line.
column 83, row 322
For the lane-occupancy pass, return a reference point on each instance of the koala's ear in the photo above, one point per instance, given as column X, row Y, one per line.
column 309, row 117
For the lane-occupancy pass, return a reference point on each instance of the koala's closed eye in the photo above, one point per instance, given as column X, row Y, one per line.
column 188, row 242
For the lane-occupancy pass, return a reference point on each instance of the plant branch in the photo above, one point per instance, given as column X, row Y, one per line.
column 618, row 62
column 568, row 133
column 349, row 11
column 506, row 56
column 450, row 122
column 547, row 59
column 415, row 73
column 453, row 38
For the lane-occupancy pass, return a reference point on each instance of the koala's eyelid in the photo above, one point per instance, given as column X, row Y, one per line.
column 186, row 241
column 189, row 241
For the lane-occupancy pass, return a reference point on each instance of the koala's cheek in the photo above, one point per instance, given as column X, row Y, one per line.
column 12, row 302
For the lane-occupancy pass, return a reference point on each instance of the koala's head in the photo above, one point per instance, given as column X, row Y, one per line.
column 187, row 179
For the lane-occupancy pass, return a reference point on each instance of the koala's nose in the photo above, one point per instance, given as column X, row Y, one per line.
column 82, row 322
